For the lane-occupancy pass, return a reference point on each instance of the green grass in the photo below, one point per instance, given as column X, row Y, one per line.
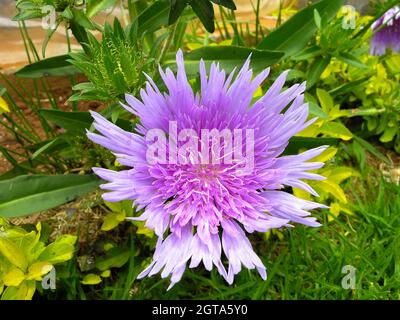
column 306, row 264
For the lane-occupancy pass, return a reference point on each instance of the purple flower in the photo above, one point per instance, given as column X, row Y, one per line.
column 387, row 32
column 201, row 211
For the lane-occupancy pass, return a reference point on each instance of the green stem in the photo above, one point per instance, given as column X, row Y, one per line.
column 168, row 42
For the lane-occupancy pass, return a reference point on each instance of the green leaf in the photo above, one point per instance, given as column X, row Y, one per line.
column 75, row 122
column 317, row 19
column 326, row 100
column 54, row 66
column 293, row 35
column 24, row 291
column 225, row 3
column 153, row 18
column 60, row 250
column 307, row 53
column 298, row 143
column 316, row 69
column 336, row 130
column 389, row 134
column 177, row 7
column 348, row 87
column 14, row 277
column 106, row 274
column 331, row 187
column 351, row 60
column 116, row 258
column 13, row 253
column 205, row 11
column 112, row 220
column 25, row 195
column 95, row 6
column 80, row 34
column 81, row 19
column 91, row 279
column 39, row 269
column 370, row 148
column 230, row 57
column 48, row 146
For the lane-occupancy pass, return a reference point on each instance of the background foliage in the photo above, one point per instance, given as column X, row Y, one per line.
column 354, row 95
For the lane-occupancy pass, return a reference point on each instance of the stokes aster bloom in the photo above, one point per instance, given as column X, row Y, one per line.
column 202, row 211
column 387, row 33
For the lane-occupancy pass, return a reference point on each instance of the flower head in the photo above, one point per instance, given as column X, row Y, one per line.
column 201, row 195
column 387, row 32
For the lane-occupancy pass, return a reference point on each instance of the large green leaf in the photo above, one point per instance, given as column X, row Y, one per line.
column 54, row 66
column 29, row 194
column 154, row 17
column 230, row 57
column 293, row 35
column 76, row 122
column 298, row 143
column 205, row 11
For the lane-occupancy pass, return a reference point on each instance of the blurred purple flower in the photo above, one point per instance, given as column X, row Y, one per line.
column 386, row 32
column 198, row 210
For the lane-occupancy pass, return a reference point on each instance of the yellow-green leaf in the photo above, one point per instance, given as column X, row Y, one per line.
column 327, row 154
column 106, row 274
column 325, row 100
column 112, row 220
column 300, row 193
column 91, row 279
column 23, row 292
column 14, row 277
column 388, row 134
column 333, row 188
column 336, row 130
column 339, row 174
column 13, row 253
column 337, row 113
column 60, row 250
column 3, row 106
column 39, row 269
